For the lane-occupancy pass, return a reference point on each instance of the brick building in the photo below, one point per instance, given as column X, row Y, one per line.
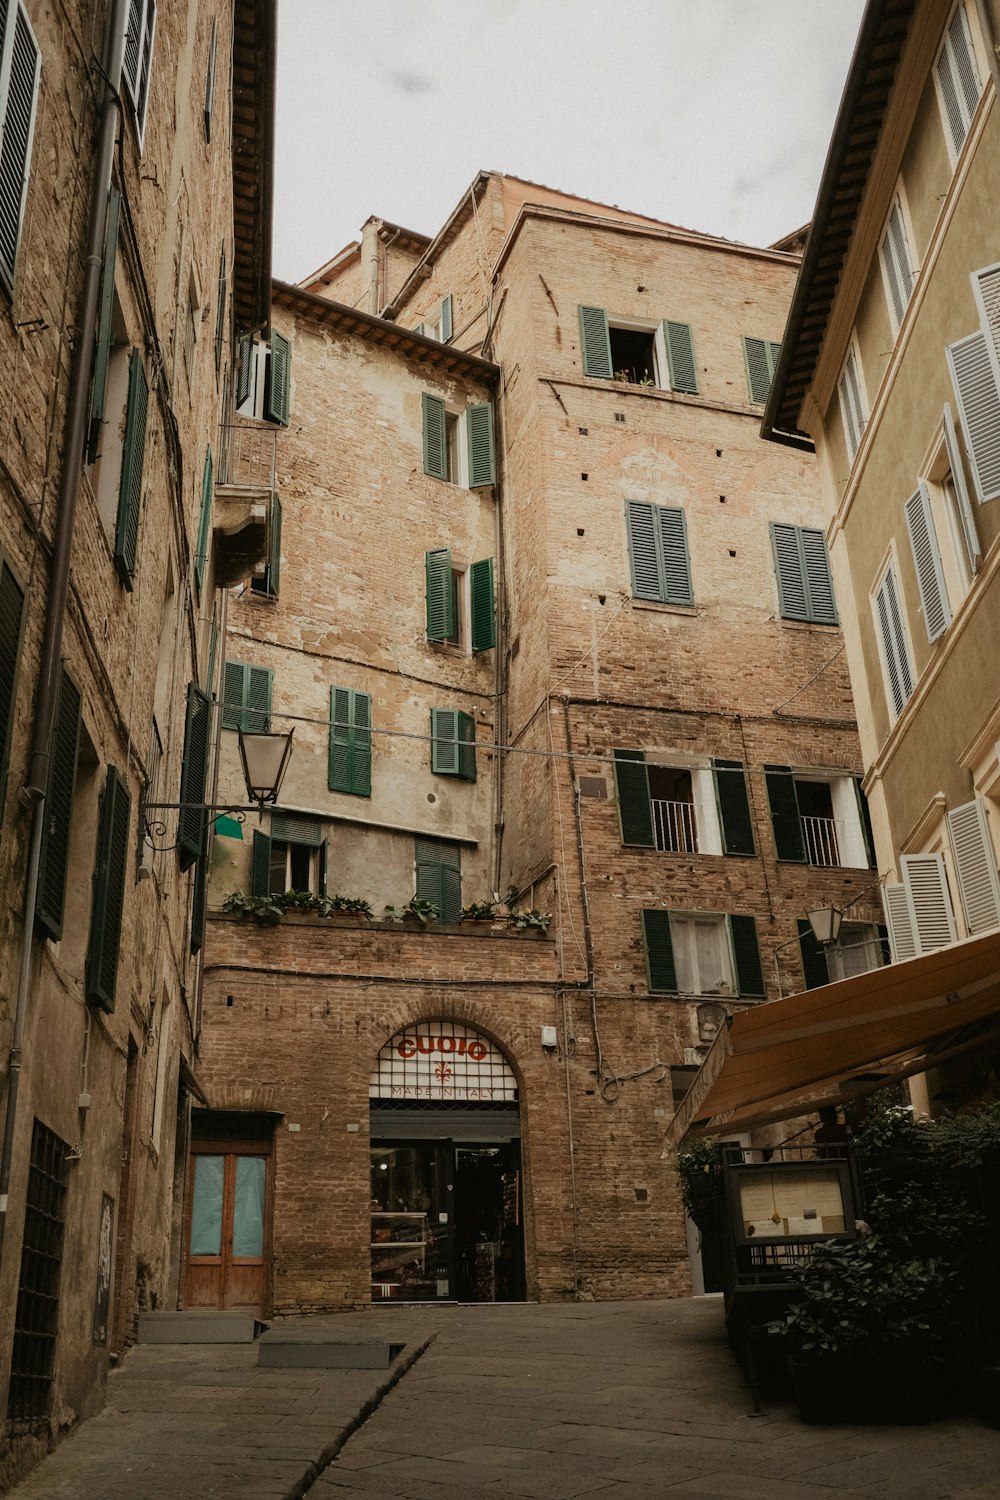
column 134, row 220
column 550, row 622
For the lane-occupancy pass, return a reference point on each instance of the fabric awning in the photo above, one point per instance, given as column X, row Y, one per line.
column 830, row 1045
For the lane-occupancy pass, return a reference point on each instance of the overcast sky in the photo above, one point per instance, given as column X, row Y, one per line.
column 712, row 114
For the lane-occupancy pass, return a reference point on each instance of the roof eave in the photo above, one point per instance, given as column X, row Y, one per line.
column 254, row 67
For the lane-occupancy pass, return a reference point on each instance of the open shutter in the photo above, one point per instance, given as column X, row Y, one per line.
column 964, row 505
column 133, row 461
column 11, row 623
column 927, row 561
column 199, row 898
column 634, row 809
column 814, row 965
column 65, row 745
column 232, row 695
column 105, row 311
column 792, row 601
column 986, row 291
column 661, row 971
column 484, row 635
column 866, row 822
column 896, row 268
column 595, row 342
column 272, row 577
column 108, row 892
column 257, row 713
column 260, row 865
column 680, row 358
column 466, row 728
column 194, row 774
column 899, row 673
column 784, row 807
column 479, row 431
column 278, row 389
column 643, row 550
column 138, row 57
column 220, row 311
column 350, row 757
column 435, row 436
column 975, row 383
column 444, row 736
column 15, row 150
column 816, row 571
column 930, row 904
column 976, row 865
column 438, row 596
column 446, row 321
column 674, row 551
column 760, row 357
column 204, row 521
column 323, row 863
column 899, row 920
column 746, row 953
column 734, row 806
column 245, row 363
column 213, row 49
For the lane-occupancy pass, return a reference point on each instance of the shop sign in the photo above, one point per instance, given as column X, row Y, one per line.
column 441, row 1060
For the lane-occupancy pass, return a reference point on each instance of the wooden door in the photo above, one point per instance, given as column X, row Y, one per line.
column 228, row 1226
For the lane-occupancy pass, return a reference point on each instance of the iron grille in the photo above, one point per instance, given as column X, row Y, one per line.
column 37, row 1316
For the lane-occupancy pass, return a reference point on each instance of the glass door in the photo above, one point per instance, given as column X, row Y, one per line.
column 226, row 1262
column 411, row 1221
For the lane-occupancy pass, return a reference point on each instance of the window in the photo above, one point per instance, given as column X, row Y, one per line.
column 702, row 953
column 126, row 546
column 113, row 827
column 350, row 751
column 291, row 857
column 191, row 823
column 268, row 581
column 918, row 909
column 11, row 626
column 439, row 876
column 683, row 807
column 54, row 863
column 443, row 326
column 246, row 698
column 658, row 553
column 894, row 645
column 140, row 29
column 459, row 603
column 213, row 50
column 220, row 313
column 20, row 66
column 975, row 866
column 819, row 818
column 853, row 403
column 927, row 562
column 36, row 1321
column 950, row 500
column 957, row 77
column 897, row 263
column 637, row 351
column 192, row 321
column 458, row 452
column 761, row 358
column 862, row 946
column 453, row 743
column 802, row 568
column 204, row 522
column 264, row 378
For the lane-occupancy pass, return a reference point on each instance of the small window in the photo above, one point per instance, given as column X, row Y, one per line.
column 890, row 625
column 263, row 379
column 438, row 870
column 702, row 953
column 956, row 75
column 853, row 403
column 802, row 569
column 634, row 359
column 819, row 818
column 761, row 358
column 246, row 698
column 858, row 950
column 268, row 581
column 458, row 446
column 683, row 807
column 898, row 265
column 192, row 322
column 291, row 857
column 637, row 351
column 658, row 553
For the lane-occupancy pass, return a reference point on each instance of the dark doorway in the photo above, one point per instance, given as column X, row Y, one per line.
column 489, row 1261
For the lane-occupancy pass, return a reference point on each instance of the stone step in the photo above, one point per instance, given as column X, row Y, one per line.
column 315, row 1349
column 198, row 1325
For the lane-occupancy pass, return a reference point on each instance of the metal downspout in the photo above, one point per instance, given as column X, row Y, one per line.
column 77, row 406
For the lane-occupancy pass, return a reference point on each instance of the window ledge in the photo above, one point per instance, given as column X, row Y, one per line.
column 657, row 607
column 808, row 624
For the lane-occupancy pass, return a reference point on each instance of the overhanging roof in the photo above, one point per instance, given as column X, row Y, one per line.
column 254, row 61
column 786, row 1058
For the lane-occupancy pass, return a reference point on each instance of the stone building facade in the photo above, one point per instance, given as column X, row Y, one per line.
column 553, row 626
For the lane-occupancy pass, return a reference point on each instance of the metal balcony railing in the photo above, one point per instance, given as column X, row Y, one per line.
column 820, row 837
column 248, row 455
column 675, row 826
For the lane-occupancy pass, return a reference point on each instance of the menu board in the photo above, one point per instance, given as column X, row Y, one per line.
column 809, row 1200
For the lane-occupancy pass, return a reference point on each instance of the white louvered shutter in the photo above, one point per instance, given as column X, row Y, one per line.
column 902, row 938
column 896, row 264
column 962, row 501
column 930, row 904
column 975, row 863
column 21, row 70
column 851, row 409
column 958, row 79
column 978, row 397
column 894, row 645
column 927, row 561
column 986, row 290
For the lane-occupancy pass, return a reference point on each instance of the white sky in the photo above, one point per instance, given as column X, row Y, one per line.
column 712, row 114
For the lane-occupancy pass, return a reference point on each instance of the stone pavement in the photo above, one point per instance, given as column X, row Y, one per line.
column 626, row 1401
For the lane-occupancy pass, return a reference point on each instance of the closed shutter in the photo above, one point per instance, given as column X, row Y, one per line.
column 661, row 972
column 930, row 904
column 439, row 877
column 138, row 58
column 204, row 521
column 927, row 561
column 246, row 698
column 213, row 48
column 199, row 899
column 350, row 757
column 986, row 290
column 260, row 865
column 444, row 737
column 11, row 620
column 816, row 570
column 446, row 322
column 194, row 775
column 479, row 432
column 634, row 808
column 964, row 505
column 746, row 952
column 108, row 892
column 278, row 391
column 895, row 648
column 133, row 462
column 676, row 562
column 435, row 436
column 105, row 312
column 978, row 399
column 483, row 610
column 595, row 343
column 760, row 357
column 220, row 312
column 23, row 63
column 734, row 806
column 466, row 747
column 680, row 358
column 643, row 550
column 802, row 569
column 789, row 573
column 896, row 267
column 851, row 410
column 976, row 865
column 814, row 965
column 899, row 920
column 438, row 600
column 58, row 810
column 785, row 818
column 658, row 553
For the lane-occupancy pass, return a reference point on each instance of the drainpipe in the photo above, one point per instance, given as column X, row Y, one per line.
column 77, row 408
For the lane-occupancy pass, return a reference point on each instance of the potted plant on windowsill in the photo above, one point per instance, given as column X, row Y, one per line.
column 347, row 906
column 416, row 910
column 484, row 913
column 522, row 920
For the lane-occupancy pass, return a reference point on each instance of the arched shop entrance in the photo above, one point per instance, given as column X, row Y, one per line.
column 446, row 1201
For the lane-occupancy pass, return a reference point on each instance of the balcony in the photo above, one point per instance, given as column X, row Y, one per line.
column 245, row 492
column 675, row 827
column 820, row 838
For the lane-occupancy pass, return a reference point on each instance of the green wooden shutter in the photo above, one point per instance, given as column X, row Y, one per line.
column 133, row 460
column 213, row 47
column 274, row 549
column 634, row 808
column 199, row 897
column 644, row 543
column 245, row 357
column 204, row 521
column 435, row 436
column 260, row 865
column 866, row 822
column 484, row 635
column 257, row 710
column 479, row 432
column 661, row 973
column 323, row 861
column 15, row 150
column 11, row 625
column 784, row 807
column 65, row 746
column 746, row 952
column 792, row 602
column 220, row 312
column 350, row 751
column 595, row 343
column 446, row 321
column 232, row 695
column 760, row 357
column 278, row 387
column 445, row 756
column 680, row 358
column 105, row 312
column 194, row 775
column 676, row 580
column 814, row 964
column 108, row 892
column 818, row 580
column 466, row 727
column 734, row 806
column 438, row 598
